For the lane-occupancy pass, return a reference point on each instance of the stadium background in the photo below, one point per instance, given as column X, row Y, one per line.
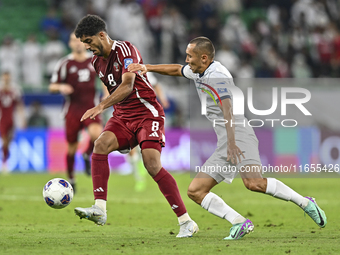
column 285, row 40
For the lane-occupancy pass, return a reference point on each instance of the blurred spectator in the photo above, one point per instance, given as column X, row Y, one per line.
column 230, row 6
column 132, row 26
column 336, row 52
column 300, row 68
column 100, row 7
column 228, row 58
column 245, row 70
column 303, row 31
column 281, row 68
column 53, row 50
column 31, row 59
column 68, row 24
column 234, row 32
column 153, row 11
column 173, row 36
column 51, row 22
column 37, row 119
column 10, row 58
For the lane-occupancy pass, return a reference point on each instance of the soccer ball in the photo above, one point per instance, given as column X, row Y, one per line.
column 58, row 193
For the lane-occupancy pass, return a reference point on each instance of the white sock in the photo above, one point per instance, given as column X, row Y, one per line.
column 280, row 190
column 183, row 218
column 215, row 205
column 101, row 203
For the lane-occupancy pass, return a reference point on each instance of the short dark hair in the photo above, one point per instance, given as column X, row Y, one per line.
column 203, row 45
column 90, row 25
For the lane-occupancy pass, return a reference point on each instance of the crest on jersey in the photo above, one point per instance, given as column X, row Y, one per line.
column 127, row 62
column 116, row 66
column 73, row 69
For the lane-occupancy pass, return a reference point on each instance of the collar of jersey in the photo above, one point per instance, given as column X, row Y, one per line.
column 114, row 45
column 202, row 74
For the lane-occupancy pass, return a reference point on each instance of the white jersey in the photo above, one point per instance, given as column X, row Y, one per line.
column 214, row 85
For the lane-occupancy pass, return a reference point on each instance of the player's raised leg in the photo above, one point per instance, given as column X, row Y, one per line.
column 199, row 192
column 106, row 143
column 168, row 186
column 253, row 181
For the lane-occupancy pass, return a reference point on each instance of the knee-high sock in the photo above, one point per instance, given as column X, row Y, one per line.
column 70, row 167
column 100, row 175
column 168, row 187
column 280, row 190
column 215, row 205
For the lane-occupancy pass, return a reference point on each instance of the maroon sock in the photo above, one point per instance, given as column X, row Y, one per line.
column 168, row 187
column 90, row 148
column 100, row 175
column 6, row 153
column 70, row 164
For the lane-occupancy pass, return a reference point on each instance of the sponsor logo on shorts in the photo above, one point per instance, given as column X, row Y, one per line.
column 154, row 134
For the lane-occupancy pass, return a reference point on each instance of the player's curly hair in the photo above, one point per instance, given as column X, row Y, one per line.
column 203, row 45
column 90, row 25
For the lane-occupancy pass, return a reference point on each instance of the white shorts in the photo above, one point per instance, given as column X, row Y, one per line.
column 217, row 166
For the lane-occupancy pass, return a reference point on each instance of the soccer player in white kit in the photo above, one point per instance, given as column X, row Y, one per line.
column 237, row 144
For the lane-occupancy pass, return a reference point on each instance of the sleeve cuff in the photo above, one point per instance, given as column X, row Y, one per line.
column 183, row 71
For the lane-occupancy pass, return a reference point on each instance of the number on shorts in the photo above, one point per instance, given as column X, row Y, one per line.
column 155, row 126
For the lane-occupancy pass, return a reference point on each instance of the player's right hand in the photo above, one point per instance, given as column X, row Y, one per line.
column 66, row 89
column 135, row 67
column 234, row 153
column 92, row 113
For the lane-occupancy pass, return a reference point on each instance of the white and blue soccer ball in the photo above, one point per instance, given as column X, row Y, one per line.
column 58, row 193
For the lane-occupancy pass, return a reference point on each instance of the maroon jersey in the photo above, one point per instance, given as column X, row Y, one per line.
column 142, row 100
column 8, row 101
column 81, row 76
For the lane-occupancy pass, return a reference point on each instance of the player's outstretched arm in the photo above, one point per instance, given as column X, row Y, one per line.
column 123, row 90
column 167, row 69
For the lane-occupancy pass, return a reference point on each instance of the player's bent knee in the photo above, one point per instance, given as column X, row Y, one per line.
column 256, row 185
column 102, row 146
column 194, row 194
column 152, row 165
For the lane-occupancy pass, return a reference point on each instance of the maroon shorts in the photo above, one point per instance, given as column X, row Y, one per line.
column 131, row 132
column 73, row 126
column 6, row 128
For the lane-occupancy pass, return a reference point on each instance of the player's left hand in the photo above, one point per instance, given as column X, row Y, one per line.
column 234, row 153
column 92, row 113
column 135, row 67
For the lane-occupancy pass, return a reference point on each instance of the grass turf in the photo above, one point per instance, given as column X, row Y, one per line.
column 143, row 223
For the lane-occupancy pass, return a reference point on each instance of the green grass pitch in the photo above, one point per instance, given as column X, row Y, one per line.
column 143, row 223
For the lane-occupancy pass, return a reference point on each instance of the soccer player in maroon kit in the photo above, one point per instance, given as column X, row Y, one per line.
column 137, row 119
column 74, row 77
column 10, row 99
